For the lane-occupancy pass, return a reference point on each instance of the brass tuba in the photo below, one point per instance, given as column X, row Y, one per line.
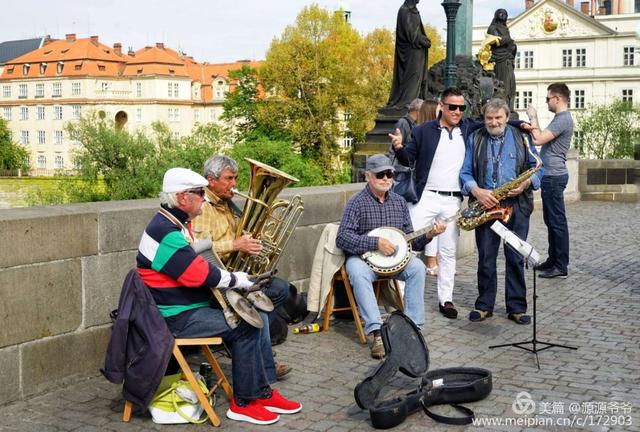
column 476, row 215
column 266, row 218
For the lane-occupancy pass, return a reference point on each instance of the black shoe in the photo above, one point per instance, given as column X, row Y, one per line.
column 553, row 273
column 520, row 318
column 448, row 310
column 547, row 265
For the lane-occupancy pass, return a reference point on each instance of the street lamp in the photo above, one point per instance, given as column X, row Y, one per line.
column 450, row 10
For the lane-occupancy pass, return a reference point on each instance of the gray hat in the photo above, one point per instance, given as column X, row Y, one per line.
column 377, row 163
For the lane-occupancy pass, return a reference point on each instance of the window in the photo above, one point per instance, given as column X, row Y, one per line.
column 196, row 115
column 138, row 89
column 176, row 114
column 577, row 140
column 43, row 68
column 57, row 113
column 6, row 91
column 57, row 137
column 42, row 137
column 170, row 114
column 57, row 89
column 60, row 67
column 347, row 141
column 40, row 113
column 528, row 59
column 25, row 69
column 24, row 137
column 567, row 56
column 581, row 57
column 527, row 99
column 24, row 113
column 516, row 61
column 627, row 95
column 59, row 162
column 42, row 161
column 75, row 89
column 6, row 113
column 516, row 101
column 39, row 90
column 212, row 115
column 196, row 92
column 578, row 99
column 22, row 91
column 138, row 114
column 169, row 90
column 176, row 90
column 628, row 56
column 176, row 135
column 76, row 111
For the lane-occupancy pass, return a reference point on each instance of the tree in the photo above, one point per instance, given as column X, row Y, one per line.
column 240, row 104
column 608, row 131
column 437, row 52
column 13, row 156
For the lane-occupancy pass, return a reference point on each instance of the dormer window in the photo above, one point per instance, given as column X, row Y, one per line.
column 60, row 67
column 43, row 68
column 101, row 67
column 25, row 68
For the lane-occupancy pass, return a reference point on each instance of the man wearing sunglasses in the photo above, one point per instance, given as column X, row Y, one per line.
column 497, row 154
column 179, row 281
column 437, row 148
column 376, row 206
column 555, row 141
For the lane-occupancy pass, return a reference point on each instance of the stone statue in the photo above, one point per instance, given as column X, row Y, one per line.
column 410, row 61
column 503, row 54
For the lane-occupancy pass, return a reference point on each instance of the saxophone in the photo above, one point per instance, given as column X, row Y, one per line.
column 476, row 214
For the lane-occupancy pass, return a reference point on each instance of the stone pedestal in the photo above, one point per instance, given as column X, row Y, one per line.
column 376, row 141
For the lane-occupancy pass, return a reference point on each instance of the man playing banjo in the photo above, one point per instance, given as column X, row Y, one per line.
column 374, row 207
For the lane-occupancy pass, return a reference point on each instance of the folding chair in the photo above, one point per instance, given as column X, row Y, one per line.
column 341, row 275
column 186, row 370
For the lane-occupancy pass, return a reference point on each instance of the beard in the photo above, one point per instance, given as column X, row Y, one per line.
column 496, row 131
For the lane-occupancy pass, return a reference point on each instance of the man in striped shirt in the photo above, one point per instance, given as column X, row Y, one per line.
column 179, row 281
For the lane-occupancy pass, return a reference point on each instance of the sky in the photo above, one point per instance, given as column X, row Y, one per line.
column 214, row 31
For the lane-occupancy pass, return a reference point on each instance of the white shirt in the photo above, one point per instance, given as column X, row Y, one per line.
column 444, row 174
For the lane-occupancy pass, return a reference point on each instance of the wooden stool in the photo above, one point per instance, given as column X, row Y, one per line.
column 186, row 370
column 341, row 275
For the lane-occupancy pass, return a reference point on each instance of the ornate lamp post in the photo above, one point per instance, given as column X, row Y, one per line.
column 450, row 10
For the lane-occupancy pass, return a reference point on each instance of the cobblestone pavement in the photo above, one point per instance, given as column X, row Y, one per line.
column 596, row 309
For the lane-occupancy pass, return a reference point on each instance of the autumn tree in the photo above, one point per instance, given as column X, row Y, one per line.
column 437, row 52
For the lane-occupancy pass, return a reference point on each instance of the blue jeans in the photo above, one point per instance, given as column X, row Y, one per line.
column 248, row 357
column 556, row 220
column 278, row 291
column 362, row 277
column 488, row 244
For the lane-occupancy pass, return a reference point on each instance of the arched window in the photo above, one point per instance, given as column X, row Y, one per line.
column 59, row 162
column 42, row 161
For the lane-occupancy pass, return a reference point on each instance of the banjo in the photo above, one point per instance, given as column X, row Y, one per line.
column 389, row 265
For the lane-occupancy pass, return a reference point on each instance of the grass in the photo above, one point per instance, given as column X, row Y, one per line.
column 14, row 190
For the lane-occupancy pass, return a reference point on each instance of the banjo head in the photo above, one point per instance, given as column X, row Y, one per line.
column 391, row 264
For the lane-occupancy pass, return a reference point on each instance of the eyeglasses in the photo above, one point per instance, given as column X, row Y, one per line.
column 382, row 174
column 199, row 192
column 453, row 107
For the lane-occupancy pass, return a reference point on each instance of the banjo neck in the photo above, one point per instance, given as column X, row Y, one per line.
column 425, row 230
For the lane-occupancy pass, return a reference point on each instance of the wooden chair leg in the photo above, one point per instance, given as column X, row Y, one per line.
column 186, row 370
column 126, row 416
column 328, row 309
column 354, row 307
column 222, row 379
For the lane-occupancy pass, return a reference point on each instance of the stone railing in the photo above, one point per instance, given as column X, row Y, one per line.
column 62, row 267
column 610, row 180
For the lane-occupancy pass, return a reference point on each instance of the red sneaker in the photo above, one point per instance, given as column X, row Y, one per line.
column 278, row 404
column 253, row 413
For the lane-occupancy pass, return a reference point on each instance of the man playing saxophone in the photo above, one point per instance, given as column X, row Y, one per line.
column 219, row 221
column 496, row 155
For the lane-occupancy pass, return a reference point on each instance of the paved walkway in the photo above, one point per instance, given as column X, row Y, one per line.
column 595, row 309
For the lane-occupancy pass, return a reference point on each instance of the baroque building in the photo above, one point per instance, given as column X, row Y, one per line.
column 594, row 50
column 63, row 79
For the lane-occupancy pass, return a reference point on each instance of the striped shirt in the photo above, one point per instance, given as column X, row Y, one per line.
column 364, row 212
column 179, row 279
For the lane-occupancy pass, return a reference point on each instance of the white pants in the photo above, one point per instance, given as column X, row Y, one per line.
column 435, row 206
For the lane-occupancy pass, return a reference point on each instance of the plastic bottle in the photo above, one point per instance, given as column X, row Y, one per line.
column 307, row 328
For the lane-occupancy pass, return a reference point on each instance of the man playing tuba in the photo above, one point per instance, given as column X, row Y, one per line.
column 219, row 222
column 496, row 155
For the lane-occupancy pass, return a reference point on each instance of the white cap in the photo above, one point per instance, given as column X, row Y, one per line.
column 182, row 179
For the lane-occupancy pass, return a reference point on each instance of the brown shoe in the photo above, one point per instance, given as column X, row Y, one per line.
column 377, row 348
column 281, row 370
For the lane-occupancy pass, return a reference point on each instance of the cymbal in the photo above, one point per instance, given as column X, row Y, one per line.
column 244, row 308
column 260, row 301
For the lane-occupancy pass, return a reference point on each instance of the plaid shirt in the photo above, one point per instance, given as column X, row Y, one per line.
column 364, row 212
column 218, row 223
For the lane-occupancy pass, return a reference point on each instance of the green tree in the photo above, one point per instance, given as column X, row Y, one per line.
column 13, row 156
column 608, row 131
column 240, row 104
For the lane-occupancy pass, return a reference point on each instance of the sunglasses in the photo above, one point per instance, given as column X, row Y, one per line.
column 549, row 98
column 453, row 107
column 199, row 192
column 383, row 174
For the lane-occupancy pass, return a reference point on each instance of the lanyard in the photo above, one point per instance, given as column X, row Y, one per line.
column 185, row 229
column 496, row 159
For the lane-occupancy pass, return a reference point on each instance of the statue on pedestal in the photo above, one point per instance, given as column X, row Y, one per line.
column 410, row 61
column 503, row 52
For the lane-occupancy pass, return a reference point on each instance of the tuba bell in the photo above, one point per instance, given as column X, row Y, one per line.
column 266, row 218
